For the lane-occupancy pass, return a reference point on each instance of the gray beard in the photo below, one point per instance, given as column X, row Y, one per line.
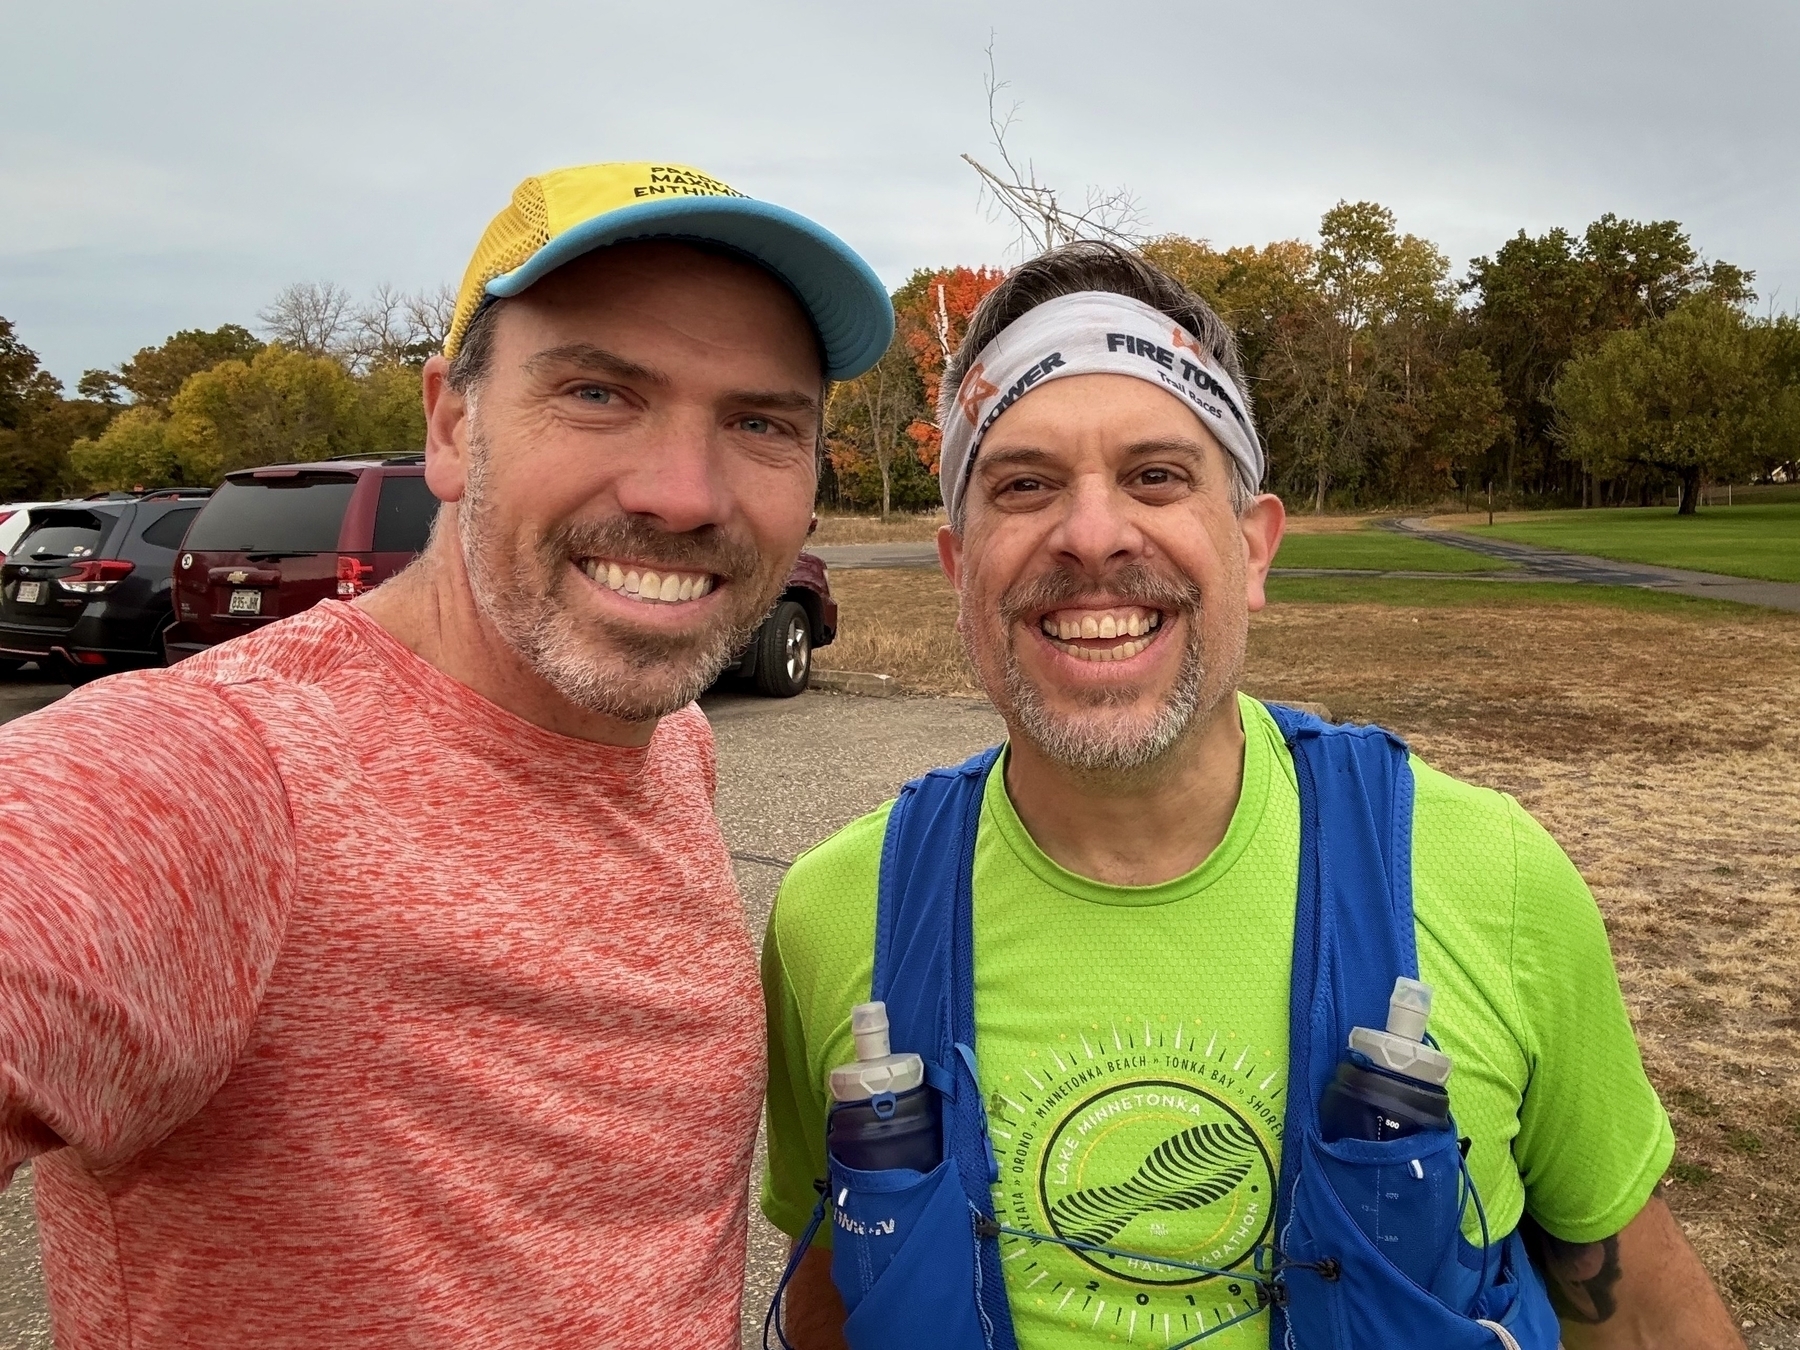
column 634, row 676
column 1100, row 744
column 1105, row 745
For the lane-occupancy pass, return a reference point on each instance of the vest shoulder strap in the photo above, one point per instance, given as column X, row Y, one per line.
column 924, row 972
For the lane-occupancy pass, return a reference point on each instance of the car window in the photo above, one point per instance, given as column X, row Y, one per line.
column 12, row 525
column 166, row 530
column 56, row 536
column 404, row 514
column 300, row 514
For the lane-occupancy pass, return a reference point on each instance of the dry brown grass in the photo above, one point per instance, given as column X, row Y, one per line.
column 1310, row 524
column 1660, row 750
column 899, row 527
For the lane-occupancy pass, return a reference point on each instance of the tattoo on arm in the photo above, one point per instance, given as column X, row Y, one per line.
column 1581, row 1275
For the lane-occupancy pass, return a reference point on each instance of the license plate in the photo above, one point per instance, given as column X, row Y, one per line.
column 30, row 592
column 246, row 602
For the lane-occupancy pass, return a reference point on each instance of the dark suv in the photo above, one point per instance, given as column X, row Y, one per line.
column 278, row 540
column 86, row 590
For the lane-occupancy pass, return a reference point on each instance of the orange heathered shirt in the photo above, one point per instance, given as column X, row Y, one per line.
column 346, row 1008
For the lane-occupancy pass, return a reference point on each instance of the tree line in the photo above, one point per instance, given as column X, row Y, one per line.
column 1597, row 368
column 328, row 376
column 1590, row 369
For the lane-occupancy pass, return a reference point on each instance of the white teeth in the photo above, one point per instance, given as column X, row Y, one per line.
column 1123, row 652
column 1126, row 623
column 666, row 587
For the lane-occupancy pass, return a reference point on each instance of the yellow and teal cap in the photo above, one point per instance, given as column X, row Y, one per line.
column 556, row 217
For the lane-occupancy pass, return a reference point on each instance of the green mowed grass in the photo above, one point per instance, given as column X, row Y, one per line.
column 1379, row 551
column 1410, row 593
column 1761, row 541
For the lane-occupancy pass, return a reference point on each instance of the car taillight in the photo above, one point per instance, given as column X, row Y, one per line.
column 352, row 577
column 96, row 575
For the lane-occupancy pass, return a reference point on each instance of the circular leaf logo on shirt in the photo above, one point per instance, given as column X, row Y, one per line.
column 1155, row 1165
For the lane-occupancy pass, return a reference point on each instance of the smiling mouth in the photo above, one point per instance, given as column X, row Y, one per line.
column 1102, row 634
column 645, row 585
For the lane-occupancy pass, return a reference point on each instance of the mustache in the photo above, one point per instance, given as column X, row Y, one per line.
column 707, row 549
column 1133, row 583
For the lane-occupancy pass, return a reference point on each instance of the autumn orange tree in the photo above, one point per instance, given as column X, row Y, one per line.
column 932, row 312
column 882, row 436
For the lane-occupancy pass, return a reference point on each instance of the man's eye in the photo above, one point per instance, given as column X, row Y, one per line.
column 756, row 426
column 1156, row 477
column 593, row 393
column 1024, row 485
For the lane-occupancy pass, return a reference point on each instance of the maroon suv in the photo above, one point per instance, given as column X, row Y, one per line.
column 273, row 542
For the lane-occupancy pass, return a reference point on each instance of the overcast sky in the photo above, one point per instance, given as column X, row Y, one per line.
column 173, row 165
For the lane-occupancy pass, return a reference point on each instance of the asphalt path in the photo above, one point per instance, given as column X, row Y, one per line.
column 1555, row 565
column 790, row 772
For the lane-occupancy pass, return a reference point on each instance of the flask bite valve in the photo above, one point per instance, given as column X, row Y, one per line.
column 1401, row 1048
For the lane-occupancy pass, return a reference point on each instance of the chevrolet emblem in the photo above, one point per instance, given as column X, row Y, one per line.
column 237, row 578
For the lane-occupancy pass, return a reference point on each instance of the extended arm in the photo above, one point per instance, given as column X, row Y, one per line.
column 814, row 1311
column 1641, row 1289
column 145, row 848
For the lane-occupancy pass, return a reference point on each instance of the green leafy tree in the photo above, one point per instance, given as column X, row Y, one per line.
column 155, row 375
column 1541, row 299
column 281, row 405
column 135, row 451
column 1694, row 395
column 37, row 424
column 866, row 425
column 392, row 413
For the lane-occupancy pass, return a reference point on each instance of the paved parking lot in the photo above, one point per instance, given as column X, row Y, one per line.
column 790, row 772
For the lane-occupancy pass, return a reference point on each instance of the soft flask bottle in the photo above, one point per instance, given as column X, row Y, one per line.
column 1390, row 1083
column 883, row 1116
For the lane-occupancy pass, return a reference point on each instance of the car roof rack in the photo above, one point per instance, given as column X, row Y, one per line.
column 380, row 457
column 175, row 494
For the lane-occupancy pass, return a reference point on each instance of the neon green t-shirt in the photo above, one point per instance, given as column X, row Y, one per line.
column 1111, row 1021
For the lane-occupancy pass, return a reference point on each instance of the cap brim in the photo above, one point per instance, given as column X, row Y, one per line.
column 849, row 305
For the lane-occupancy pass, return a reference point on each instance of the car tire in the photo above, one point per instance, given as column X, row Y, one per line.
column 784, row 651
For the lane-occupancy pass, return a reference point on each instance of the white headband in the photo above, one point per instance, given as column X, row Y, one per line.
column 1092, row 333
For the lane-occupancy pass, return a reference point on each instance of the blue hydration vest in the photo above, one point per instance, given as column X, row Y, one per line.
column 916, row 1256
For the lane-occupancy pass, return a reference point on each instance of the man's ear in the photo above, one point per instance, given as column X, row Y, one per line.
column 446, row 432
column 1262, row 525
column 949, row 546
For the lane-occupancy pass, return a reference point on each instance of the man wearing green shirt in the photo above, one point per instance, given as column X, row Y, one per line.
column 1135, row 874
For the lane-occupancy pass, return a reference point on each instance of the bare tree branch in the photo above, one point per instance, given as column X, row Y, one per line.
column 429, row 314
column 310, row 317
column 1043, row 221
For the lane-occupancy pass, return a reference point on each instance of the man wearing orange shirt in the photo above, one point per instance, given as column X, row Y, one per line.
column 354, row 975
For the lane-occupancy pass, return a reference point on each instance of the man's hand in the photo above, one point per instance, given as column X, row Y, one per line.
column 814, row 1312
column 1641, row 1289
